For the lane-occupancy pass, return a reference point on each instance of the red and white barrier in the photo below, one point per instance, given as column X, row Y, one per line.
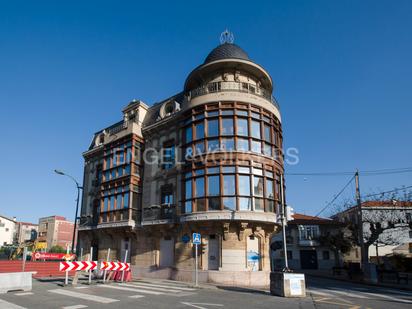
column 81, row 265
column 115, row 266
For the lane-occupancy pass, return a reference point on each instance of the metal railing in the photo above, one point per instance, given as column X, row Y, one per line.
column 233, row 86
column 159, row 213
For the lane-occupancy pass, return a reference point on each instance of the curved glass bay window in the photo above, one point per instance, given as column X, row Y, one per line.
column 242, row 129
column 236, row 188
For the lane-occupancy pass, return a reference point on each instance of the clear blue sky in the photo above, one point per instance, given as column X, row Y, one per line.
column 342, row 73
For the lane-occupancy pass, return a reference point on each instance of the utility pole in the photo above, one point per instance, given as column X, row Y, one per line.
column 364, row 255
column 283, row 221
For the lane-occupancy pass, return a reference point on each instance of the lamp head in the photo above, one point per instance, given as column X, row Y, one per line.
column 59, row 172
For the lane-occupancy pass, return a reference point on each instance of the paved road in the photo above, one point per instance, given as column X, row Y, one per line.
column 170, row 294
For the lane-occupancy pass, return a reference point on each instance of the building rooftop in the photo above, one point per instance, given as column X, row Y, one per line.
column 301, row 219
column 226, row 51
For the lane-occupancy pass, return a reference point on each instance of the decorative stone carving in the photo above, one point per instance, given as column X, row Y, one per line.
column 225, row 230
column 241, row 233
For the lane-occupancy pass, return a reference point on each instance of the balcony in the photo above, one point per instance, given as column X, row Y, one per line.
column 159, row 214
column 236, row 87
column 308, row 242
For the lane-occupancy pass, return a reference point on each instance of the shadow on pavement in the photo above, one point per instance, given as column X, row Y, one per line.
column 243, row 290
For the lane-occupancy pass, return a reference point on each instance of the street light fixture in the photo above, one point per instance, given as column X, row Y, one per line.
column 59, row 172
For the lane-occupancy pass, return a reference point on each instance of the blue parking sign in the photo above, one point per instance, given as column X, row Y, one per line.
column 196, row 239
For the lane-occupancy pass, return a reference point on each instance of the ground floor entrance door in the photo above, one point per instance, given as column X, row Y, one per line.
column 213, row 253
column 308, row 259
column 167, row 252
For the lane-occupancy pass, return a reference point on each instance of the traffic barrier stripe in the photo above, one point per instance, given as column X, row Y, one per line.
column 115, row 266
column 81, row 265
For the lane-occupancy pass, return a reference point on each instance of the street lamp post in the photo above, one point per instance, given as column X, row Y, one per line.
column 77, row 202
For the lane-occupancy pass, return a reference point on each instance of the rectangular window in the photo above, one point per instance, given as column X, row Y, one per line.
column 241, row 112
column 270, row 206
column 256, row 146
column 267, row 130
column 189, row 134
column 326, row 255
column 137, row 155
column 269, row 189
column 214, row 203
column 120, row 171
column 243, row 169
column 229, row 203
column 212, row 145
column 111, row 207
column 229, row 185
column 227, row 126
column 244, row 185
column 118, row 201
column 228, row 144
column 258, row 186
column 129, row 156
column 113, row 174
column 200, row 204
column 308, row 232
column 213, row 170
column 199, row 148
column 213, row 183
column 108, row 162
column 200, row 130
column 106, row 204
column 188, row 189
column 256, row 129
column 228, row 169
column 267, row 150
column 245, row 203
column 199, row 187
column 168, row 157
column 213, row 113
column 259, row 204
column 166, row 197
column 127, row 169
column 242, row 144
column 213, row 127
column 188, row 207
column 242, row 127
column 126, row 200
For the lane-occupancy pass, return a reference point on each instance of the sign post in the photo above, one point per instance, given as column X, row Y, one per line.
column 105, row 271
column 196, row 240
column 24, row 258
column 66, row 281
column 125, row 260
column 90, row 259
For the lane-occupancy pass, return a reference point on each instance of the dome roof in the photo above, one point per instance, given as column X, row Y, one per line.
column 226, row 51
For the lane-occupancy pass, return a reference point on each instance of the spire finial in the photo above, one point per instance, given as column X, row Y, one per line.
column 226, row 37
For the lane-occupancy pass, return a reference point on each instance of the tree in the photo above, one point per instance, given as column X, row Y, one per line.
column 57, row 249
column 386, row 219
column 340, row 243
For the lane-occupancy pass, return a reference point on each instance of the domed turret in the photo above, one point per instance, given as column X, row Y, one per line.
column 226, row 51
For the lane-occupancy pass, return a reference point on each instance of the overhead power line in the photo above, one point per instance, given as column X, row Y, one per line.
column 363, row 173
column 385, row 192
column 336, row 196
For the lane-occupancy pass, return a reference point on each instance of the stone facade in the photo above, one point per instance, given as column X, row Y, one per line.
column 207, row 160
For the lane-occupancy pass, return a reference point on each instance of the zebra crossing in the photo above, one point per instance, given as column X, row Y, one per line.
column 85, row 296
column 392, row 295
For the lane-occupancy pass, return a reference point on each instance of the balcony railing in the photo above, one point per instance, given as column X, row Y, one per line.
column 233, row 86
column 159, row 212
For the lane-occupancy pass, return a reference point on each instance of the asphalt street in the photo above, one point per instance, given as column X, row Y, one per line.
column 321, row 293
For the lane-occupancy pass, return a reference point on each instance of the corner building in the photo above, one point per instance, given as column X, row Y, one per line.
column 206, row 160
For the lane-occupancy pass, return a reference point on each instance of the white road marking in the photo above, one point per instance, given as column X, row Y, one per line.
column 24, row 293
column 90, row 297
column 137, row 283
column 347, row 294
column 320, row 293
column 6, row 304
column 199, row 305
column 136, row 296
column 396, row 299
column 158, row 288
column 75, row 307
column 81, row 287
column 125, row 288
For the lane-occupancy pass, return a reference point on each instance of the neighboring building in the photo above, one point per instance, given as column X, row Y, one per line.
column 55, row 231
column 304, row 247
column 212, row 164
column 25, row 232
column 7, row 230
column 393, row 212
